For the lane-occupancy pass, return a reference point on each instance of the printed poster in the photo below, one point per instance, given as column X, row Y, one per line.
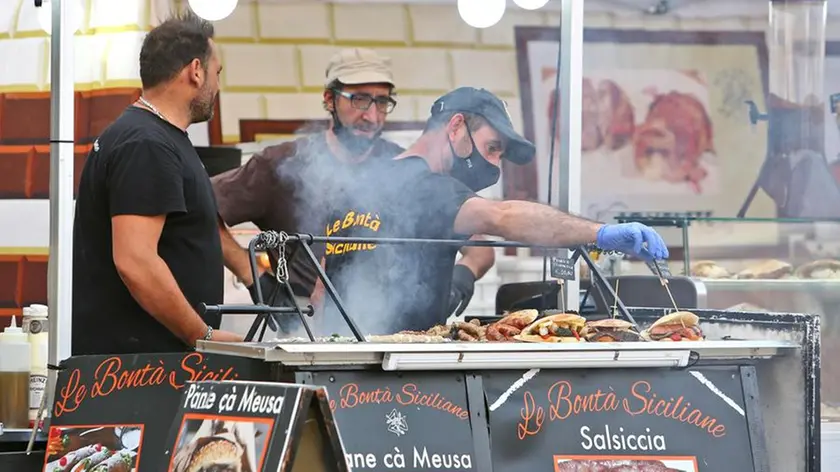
column 665, row 130
column 619, row 420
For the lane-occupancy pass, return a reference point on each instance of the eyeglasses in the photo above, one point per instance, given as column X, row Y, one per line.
column 363, row 101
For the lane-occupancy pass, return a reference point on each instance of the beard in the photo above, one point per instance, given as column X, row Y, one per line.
column 356, row 144
column 203, row 106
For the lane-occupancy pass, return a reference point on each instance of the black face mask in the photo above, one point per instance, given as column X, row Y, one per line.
column 474, row 171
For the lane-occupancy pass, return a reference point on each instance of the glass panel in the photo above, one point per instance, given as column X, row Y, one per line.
column 768, row 265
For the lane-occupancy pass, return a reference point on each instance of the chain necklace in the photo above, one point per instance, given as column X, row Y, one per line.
column 152, row 108
column 160, row 115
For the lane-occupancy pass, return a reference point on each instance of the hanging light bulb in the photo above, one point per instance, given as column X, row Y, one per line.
column 481, row 13
column 213, row 10
column 77, row 15
column 530, row 4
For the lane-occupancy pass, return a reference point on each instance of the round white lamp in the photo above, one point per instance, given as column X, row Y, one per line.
column 530, row 4
column 213, row 10
column 77, row 15
column 481, row 13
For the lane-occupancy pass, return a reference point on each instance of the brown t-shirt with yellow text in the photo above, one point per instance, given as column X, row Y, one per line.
column 290, row 187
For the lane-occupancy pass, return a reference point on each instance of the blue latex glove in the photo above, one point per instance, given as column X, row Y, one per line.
column 632, row 238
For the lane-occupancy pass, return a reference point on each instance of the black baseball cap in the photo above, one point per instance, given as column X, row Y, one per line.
column 490, row 107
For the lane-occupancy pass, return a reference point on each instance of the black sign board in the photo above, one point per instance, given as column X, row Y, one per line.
column 562, row 268
column 116, row 407
column 659, row 267
column 254, row 426
column 686, row 421
column 419, row 422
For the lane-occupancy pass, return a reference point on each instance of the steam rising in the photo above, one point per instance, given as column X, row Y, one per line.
column 326, row 191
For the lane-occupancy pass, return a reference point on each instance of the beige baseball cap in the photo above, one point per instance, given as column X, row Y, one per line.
column 356, row 66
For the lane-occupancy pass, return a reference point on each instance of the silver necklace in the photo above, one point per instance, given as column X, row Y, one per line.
column 156, row 112
column 152, row 108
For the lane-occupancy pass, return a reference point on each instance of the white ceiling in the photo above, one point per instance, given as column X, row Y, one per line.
column 682, row 8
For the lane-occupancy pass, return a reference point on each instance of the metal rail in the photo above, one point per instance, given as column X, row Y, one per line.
column 273, row 240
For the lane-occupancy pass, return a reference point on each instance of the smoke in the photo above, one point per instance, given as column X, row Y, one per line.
column 365, row 199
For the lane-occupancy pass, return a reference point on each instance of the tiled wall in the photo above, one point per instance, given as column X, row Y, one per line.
column 274, row 55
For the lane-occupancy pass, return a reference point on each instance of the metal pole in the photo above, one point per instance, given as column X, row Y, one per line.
column 60, row 272
column 571, row 90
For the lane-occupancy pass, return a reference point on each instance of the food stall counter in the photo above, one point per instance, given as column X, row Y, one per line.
column 469, row 356
column 573, row 404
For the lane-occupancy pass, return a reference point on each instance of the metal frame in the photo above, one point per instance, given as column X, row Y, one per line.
column 479, row 421
column 62, row 129
column 571, row 106
column 755, row 420
column 812, row 386
column 273, row 240
column 361, row 354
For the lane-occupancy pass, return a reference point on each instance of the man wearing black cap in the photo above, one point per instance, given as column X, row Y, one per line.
column 428, row 191
column 284, row 187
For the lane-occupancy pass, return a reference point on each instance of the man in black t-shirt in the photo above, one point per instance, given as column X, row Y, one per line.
column 427, row 192
column 146, row 246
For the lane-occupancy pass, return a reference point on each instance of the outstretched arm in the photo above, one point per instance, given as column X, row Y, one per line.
column 525, row 222
column 541, row 225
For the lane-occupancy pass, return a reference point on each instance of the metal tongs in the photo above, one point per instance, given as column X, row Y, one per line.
column 662, row 279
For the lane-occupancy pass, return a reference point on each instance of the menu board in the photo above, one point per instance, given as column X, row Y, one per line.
column 656, row 420
column 110, row 409
column 250, row 427
column 418, row 422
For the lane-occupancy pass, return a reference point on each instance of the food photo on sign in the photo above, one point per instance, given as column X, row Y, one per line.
column 221, row 444
column 94, row 448
column 624, row 464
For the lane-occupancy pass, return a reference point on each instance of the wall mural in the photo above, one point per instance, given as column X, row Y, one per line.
column 665, row 129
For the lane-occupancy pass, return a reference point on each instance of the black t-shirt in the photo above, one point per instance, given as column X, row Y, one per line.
column 388, row 288
column 141, row 165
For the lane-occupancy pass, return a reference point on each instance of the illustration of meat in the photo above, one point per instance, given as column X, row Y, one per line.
column 590, row 134
column 676, row 133
column 614, row 466
column 616, row 120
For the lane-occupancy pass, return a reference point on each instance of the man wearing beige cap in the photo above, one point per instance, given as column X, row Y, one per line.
column 288, row 187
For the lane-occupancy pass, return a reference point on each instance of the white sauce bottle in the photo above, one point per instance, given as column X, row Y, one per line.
column 36, row 325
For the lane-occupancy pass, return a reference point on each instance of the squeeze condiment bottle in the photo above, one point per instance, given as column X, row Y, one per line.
column 36, row 326
column 14, row 377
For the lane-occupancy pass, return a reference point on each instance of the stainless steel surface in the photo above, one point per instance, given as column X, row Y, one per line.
column 828, row 289
column 774, row 284
column 18, row 435
column 702, row 293
column 830, row 447
column 302, row 354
